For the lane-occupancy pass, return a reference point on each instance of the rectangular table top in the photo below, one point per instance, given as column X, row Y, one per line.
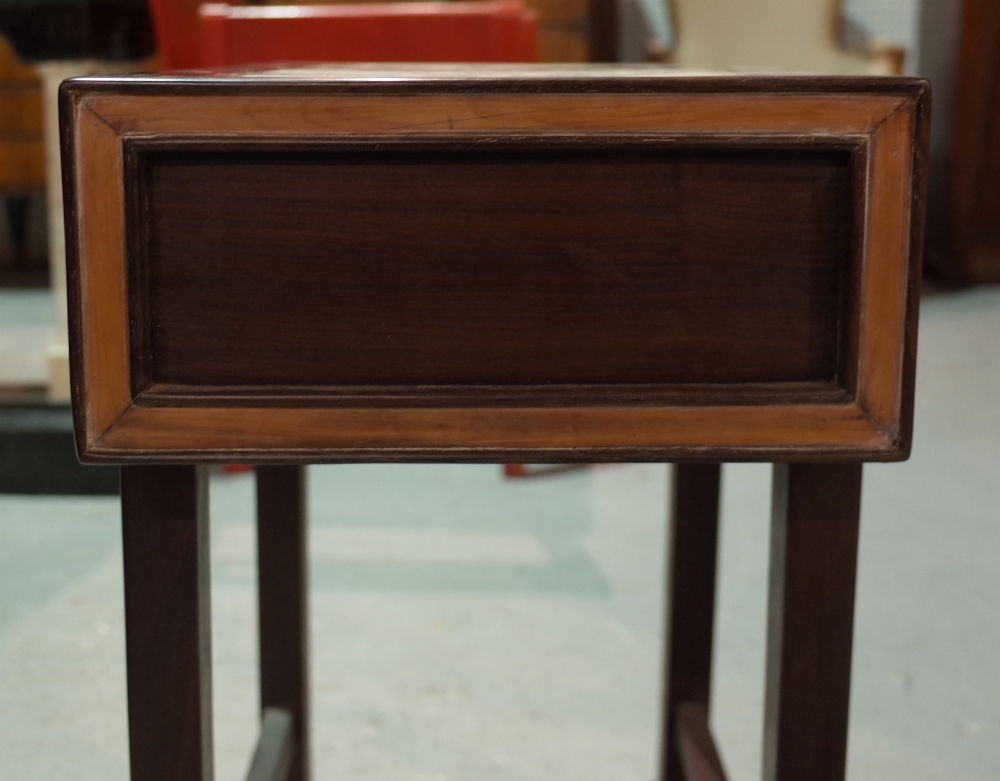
column 493, row 264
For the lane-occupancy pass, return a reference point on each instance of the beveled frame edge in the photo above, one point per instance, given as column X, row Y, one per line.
column 893, row 412
column 84, row 416
column 501, row 79
column 920, row 155
column 74, row 306
column 444, row 455
column 146, row 392
column 886, row 437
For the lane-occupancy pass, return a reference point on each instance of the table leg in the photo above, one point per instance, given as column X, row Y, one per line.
column 167, row 622
column 691, row 557
column 810, row 620
column 282, row 597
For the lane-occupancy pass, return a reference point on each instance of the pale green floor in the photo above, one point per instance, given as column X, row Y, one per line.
column 27, row 320
column 465, row 628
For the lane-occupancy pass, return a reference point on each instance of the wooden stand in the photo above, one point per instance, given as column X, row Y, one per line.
column 691, row 270
column 687, row 749
column 814, row 543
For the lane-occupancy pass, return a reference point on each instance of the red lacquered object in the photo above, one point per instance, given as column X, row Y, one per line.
column 218, row 35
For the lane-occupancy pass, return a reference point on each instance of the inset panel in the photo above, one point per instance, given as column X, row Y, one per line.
column 494, row 266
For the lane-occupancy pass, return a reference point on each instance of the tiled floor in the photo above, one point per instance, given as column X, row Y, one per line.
column 466, row 627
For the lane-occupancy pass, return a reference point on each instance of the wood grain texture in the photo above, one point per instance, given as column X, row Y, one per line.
column 282, row 598
column 692, row 553
column 98, row 304
column 167, row 622
column 287, row 115
column 799, row 249
column 810, row 620
column 493, row 434
column 886, row 259
column 512, row 267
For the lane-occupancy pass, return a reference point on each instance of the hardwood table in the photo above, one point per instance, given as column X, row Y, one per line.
column 483, row 265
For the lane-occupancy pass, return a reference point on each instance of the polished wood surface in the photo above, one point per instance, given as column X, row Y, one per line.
column 693, row 268
column 282, row 596
column 692, row 553
column 814, row 538
column 486, row 435
column 101, row 287
column 167, row 622
column 293, row 108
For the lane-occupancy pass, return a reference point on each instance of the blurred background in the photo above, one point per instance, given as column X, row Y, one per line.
column 469, row 622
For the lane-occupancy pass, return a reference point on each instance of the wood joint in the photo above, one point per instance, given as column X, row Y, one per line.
column 272, row 758
column 699, row 757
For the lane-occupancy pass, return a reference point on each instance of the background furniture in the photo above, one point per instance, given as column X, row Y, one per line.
column 212, row 35
column 63, row 40
column 702, row 270
column 77, row 29
column 22, row 170
column 36, row 436
column 973, row 248
column 800, row 36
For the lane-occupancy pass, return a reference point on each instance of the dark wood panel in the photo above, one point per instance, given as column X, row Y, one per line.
column 282, row 595
column 167, row 622
column 814, row 541
column 691, row 560
column 500, row 267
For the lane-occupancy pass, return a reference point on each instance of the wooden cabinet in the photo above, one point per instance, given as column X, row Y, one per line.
column 478, row 264
column 22, row 172
column 494, row 264
column 22, row 150
column 975, row 245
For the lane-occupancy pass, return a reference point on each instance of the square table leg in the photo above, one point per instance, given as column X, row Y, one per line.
column 283, row 608
column 167, row 622
column 687, row 749
column 814, row 542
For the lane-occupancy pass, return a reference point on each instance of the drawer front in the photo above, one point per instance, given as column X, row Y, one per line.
column 517, row 269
